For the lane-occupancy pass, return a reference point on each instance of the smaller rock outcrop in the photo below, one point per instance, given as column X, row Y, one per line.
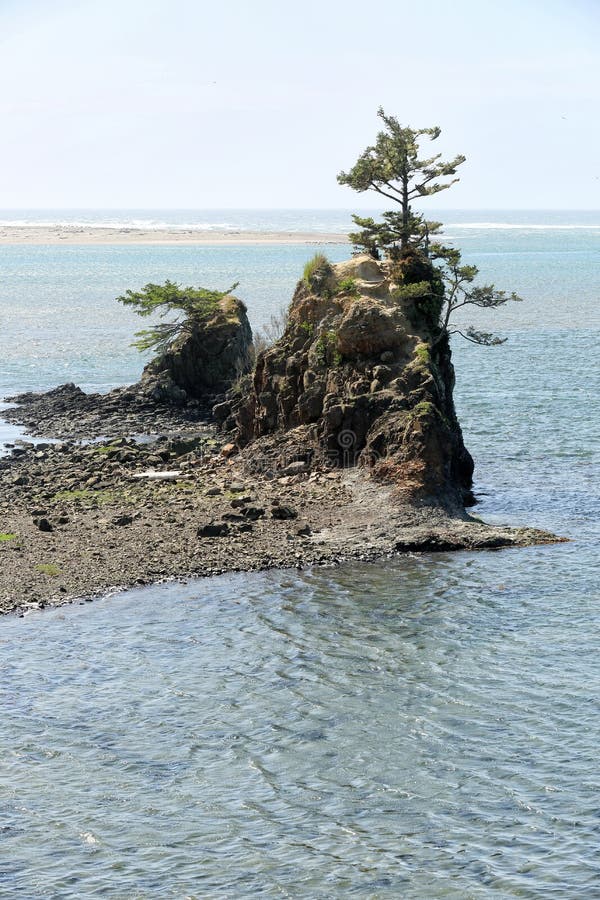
column 204, row 360
column 176, row 391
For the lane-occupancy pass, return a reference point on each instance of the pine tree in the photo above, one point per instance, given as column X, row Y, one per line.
column 392, row 168
column 190, row 306
column 430, row 275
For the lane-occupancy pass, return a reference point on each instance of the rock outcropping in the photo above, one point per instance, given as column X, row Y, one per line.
column 359, row 377
column 176, row 391
column 204, row 360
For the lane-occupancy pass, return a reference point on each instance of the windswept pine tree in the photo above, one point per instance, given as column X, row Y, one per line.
column 189, row 307
column 392, row 168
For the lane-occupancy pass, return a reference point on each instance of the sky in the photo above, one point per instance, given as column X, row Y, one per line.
column 260, row 103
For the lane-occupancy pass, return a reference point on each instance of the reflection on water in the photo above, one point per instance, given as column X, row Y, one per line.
column 425, row 729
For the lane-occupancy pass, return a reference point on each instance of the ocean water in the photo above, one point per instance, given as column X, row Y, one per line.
column 298, row 220
column 421, row 728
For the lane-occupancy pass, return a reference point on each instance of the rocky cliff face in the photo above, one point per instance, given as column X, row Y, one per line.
column 204, row 361
column 358, row 379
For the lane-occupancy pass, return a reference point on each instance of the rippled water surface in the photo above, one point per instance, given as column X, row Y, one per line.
column 427, row 727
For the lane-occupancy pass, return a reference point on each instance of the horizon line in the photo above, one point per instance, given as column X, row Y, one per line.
column 299, row 208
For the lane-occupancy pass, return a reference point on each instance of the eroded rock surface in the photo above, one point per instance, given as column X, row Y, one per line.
column 359, row 377
column 203, row 361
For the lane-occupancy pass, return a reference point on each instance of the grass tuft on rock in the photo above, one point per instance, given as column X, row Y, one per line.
column 318, row 274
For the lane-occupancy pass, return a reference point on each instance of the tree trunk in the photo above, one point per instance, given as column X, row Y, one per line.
column 405, row 212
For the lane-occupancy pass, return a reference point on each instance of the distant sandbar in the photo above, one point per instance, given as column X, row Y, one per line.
column 64, row 234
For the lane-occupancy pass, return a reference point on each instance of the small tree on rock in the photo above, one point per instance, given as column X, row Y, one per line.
column 460, row 291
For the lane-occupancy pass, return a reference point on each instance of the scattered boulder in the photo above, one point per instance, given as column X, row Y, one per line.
column 283, row 512
column 43, row 524
column 213, row 529
column 122, row 520
column 296, row 468
column 228, row 450
column 254, row 512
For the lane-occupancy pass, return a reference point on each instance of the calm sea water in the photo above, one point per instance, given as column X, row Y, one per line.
column 423, row 728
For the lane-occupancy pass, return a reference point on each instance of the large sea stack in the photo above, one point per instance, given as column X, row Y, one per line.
column 361, row 376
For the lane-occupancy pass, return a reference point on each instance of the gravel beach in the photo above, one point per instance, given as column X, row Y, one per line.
column 78, row 520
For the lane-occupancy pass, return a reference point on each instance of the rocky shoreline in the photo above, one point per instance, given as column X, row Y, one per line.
column 78, row 520
column 337, row 441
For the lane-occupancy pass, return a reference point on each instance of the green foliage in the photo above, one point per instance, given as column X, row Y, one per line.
column 347, row 286
column 412, row 292
column 460, row 291
column 7, row 536
column 424, row 298
column 424, row 408
column 326, row 349
column 387, row 236
column 392, row 168
column 242, row 385
column 105, row 449
column 317, row 274
column 49, row 569
column 423, row 354
column 307, row 327
column 191, row 306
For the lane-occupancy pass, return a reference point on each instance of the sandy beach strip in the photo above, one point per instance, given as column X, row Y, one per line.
column 41, row 234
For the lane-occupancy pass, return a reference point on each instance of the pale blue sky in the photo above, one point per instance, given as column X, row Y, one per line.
column 257, row 103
